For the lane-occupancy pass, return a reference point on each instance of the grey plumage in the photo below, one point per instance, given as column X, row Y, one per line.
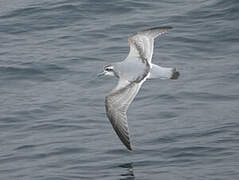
column 131, row 72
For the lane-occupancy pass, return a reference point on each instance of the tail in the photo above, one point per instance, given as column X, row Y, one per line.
column 175, row 74
column 163, row 72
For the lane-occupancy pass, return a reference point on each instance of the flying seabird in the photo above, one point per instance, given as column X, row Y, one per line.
column 131, row 74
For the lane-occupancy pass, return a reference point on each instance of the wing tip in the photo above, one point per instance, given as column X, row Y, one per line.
column 124, row 140
column 162, row 28
column 129, row 147
column 126, row 143
column 155, row 31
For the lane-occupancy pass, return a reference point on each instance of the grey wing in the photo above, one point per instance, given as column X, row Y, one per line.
column 142, row 43
column 117, row 103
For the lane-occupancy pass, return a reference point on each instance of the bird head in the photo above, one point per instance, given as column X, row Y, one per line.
column 108, row 71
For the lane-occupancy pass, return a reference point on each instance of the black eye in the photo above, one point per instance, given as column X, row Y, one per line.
column 108, row 69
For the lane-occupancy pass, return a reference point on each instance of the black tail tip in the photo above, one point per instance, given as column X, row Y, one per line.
column 175, row 74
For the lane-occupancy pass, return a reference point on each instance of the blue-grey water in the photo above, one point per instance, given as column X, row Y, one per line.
column 52, row 118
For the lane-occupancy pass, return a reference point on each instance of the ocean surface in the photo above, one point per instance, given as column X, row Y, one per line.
column 52, row 118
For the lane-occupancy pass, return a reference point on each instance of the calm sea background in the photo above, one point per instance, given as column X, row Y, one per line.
column 52, row 118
